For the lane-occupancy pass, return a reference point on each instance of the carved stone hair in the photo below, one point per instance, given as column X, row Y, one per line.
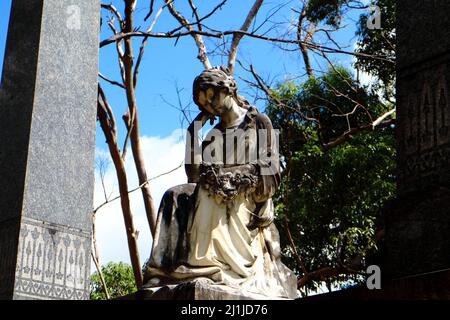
column 219, row 79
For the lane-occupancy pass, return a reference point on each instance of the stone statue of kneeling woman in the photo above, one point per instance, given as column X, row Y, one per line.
column 219, row 226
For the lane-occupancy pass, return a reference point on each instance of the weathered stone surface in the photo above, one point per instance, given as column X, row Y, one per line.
column 423, row 115
column 48, row 114
column 52, row 261
column 422, row 30
column 195, row 290
column 417, row 234
column 220, row 225
column 423, row 83
column 418, row 223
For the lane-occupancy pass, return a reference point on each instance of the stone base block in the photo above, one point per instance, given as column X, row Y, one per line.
column 195, row 290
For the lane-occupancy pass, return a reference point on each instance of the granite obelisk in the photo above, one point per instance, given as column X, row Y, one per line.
column 47, row 145
column 418, row 228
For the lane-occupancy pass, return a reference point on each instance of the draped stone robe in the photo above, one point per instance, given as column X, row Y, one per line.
column 221, row 228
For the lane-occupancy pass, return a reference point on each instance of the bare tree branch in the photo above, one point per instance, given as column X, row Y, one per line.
column 202, row 55
column 152, row 2
column 109, row 113
column 238, row 36
column 144, row 43
column 101, row 165
column 303, row 48
column 115, row 83
column 380, row 119
column 231, row 32
column 138, row 187
column 119, row 43
column 219, row 6
column 96, row 259
column 195, row 13
column 133, row 120
column 350, row 133
column 269, row 92
column 114, row 10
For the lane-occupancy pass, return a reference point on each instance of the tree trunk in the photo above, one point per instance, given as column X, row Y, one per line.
column 303, row 48
column 133, row 123
column 111, row 138
column 139, row 163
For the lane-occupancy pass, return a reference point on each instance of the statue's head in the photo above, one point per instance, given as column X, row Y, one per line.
column 214, row 89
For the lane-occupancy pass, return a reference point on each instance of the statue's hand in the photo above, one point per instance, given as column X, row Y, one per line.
column 262, row 216
column 202, row 117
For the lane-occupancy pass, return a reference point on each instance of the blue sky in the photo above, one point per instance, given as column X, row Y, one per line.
column 4, row 18
column 168, row 65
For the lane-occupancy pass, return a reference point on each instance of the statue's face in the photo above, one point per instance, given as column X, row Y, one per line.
column 216, row 103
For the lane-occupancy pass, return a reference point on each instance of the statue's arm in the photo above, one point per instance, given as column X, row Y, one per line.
column 268, row 162
column 193, row 151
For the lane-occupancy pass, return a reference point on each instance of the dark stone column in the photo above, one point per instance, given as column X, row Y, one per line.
column 47, row 146
column 418, row 225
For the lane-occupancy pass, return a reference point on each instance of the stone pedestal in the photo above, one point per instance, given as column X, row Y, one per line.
column 47, row 128
column 418, row 224
column 194, row 290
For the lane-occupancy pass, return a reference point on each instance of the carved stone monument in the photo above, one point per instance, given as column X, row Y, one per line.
column 47, row 130
column 215, row 237
column 418, row 226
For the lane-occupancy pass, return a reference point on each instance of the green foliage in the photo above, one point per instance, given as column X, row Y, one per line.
column 331, row 198
column 119, row 279
column 335, row 197
column 328, row 11
column 379, row 42
column 325, row 107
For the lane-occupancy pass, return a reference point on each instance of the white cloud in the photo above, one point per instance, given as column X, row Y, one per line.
column 161, row 154
column 364, row 78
